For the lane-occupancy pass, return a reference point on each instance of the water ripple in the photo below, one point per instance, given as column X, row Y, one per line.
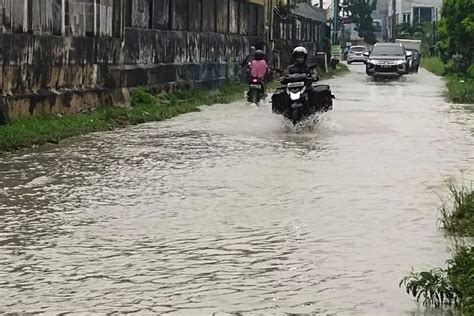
column 227, row 211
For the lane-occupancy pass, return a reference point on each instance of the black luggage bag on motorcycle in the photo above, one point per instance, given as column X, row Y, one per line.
column 319, row 96
column 280, row 101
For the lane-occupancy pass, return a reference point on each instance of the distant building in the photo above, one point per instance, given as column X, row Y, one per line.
column 293, row 23
column 412, row 12
column 381, row 19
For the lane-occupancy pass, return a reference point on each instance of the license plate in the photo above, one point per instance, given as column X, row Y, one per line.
column 295, row 84
column 358, row 54
column 385, row 66
column 257, row 86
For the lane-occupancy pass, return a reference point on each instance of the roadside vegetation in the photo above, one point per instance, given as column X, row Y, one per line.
column 453, row 285
column 460, row 83
column 434, row 65
column 39, row 130
column 455, row 50
column 340, row 69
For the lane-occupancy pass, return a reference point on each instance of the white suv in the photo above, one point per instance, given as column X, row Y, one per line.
column 357, row 54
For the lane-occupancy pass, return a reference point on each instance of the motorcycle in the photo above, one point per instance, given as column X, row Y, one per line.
column 256, row 91
column 300, row 97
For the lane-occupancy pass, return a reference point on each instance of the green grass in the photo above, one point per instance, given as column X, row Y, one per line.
column 39, row 130
column 457, row 211
column 341, row 69
column 460, row 86
column 434, row 65
column 453, row 285
column 460, row 89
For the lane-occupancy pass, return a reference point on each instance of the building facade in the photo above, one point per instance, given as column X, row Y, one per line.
column 67, row 56
column 412, row 12
column 381, row 19
column 295, row 23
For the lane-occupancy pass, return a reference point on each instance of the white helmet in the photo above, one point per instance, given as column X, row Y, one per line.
column 300, row 50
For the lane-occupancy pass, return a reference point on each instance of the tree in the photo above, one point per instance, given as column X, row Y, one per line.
column 457, row 29
column 405, row 30
column 360, row 12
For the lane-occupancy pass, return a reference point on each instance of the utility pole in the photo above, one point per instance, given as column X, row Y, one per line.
column 434, row 26
column 334, row 21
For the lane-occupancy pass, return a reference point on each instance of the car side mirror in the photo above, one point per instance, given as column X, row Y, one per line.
column 366, row 54
column 409, row 54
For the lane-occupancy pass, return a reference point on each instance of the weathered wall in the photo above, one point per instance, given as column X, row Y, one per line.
column 67, row 59
column 46, row 17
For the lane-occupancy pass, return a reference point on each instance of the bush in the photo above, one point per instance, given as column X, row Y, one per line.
column 451, row 286
column 457, row 210
column 455, row 284
column 460, row 273
column 461, row 89
column 141, row 97
column 470, row 71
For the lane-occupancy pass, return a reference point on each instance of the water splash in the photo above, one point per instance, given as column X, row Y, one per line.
column 308, row 125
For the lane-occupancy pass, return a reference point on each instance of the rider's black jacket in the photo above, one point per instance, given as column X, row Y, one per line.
column 299, row 69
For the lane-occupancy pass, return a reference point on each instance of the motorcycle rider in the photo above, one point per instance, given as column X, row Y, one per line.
column 299, row 66
column 245, row 64
column 259, row 68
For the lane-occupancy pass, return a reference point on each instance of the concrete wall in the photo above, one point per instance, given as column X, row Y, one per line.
column 67, row 56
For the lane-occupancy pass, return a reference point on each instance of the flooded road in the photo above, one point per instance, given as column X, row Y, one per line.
column 227, row 211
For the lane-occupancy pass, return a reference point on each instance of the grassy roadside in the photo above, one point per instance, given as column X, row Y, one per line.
column 453, row 285
column 434, row 65
column 39, row 130
column 460, row 86
column 341, row 69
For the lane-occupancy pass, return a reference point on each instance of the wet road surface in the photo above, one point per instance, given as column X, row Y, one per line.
column 227, row 210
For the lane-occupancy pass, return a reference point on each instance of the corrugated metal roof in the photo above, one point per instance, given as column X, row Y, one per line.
column 308, row 11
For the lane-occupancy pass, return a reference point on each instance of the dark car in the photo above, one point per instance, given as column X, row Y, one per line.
column 387, row 60
column 415, row 60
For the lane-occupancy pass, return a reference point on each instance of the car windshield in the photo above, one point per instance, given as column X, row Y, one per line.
column 358, row 49
column 388, row 51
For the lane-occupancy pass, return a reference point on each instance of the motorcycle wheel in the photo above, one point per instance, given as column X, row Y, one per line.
column 296, row 116
column 253, row 96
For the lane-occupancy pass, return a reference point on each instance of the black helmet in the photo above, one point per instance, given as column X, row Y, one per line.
column 259, row 54
column 300, row 51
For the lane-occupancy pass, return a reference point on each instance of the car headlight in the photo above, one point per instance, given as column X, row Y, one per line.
column 400, row 62
column 370, row 61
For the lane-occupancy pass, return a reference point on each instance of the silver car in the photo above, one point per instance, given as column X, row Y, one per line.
column 356, row 54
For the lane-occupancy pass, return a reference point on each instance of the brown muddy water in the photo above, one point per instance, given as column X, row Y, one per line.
column 228, row 211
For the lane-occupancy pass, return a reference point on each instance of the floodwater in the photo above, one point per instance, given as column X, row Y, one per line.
column 228, row 211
